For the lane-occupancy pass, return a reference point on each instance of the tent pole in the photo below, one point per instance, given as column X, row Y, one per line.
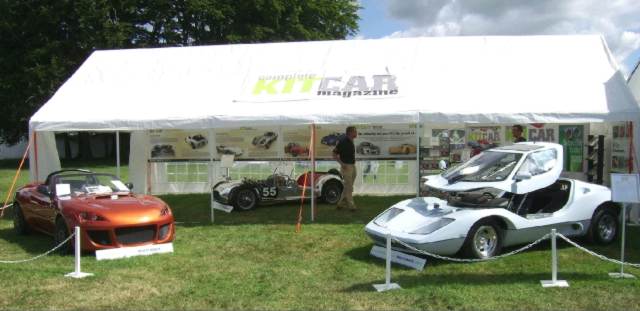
column 313, row 171
column 35, row 152
column 418, row 127
column 118, row 154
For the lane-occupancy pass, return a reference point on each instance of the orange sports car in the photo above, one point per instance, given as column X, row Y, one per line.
column 108, row 213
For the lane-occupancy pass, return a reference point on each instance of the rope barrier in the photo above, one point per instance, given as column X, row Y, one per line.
column 544, row 237
column 41, row 255
column 592, row 253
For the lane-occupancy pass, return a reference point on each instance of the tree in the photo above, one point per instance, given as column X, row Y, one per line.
column 43, row 42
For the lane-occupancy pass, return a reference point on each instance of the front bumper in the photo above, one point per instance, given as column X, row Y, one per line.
column 443, row 247
column 102, row 236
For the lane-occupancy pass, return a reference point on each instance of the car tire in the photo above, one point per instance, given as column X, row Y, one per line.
column 484, row 240
column 60, row 234
column 604, row 226
column 331, row 192
column 20, row 225
column 245, row 199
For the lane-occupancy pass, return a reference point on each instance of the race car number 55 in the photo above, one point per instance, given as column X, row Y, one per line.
column 269, row 192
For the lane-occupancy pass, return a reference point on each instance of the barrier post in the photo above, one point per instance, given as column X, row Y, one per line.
column 387, row 284
column 622, row 275
column 77, row 274
column 554, row 266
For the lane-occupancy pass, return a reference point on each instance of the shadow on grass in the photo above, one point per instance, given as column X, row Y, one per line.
column 468, row 279
column 32, row 243
column 194, row 210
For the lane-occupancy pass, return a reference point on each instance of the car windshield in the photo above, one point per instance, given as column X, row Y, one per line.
column 483, row 198
column 84, row 184
column 487, row 166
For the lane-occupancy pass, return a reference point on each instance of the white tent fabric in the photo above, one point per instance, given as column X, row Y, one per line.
column 533, row 79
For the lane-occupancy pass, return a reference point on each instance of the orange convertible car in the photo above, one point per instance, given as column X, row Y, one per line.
column 108, row 214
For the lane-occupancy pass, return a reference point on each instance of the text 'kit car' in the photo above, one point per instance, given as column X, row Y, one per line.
column 246, row 194
column 504, row 196
column 108, row 213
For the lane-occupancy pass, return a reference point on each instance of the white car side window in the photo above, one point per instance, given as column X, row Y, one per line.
column 539, row 162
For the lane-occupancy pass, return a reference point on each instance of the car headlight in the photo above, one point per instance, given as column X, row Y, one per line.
column 433, row 226
column 387, row 216
column 89, row 216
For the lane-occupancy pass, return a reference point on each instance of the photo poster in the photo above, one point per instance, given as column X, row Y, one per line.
column 248, row 142
column 374, row 141
column 178, row 144
column 480, row 138
column 534, row 132
column 621, row 136
column 447, row 143
column 295, row 141
column 572, row 139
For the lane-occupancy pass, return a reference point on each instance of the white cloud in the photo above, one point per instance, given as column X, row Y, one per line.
column 616, row 20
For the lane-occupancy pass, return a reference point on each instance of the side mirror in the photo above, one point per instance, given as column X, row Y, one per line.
column 520, row 176
column 442, row 165
column 44, row 189
column 129, row 185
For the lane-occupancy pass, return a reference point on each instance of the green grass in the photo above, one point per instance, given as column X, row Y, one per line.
column 256, row 260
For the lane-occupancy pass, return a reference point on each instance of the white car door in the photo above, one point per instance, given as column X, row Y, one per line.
column 538, row 170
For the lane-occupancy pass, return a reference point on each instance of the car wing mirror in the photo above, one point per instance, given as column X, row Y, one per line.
column 442, row 165
column 44, row 189
column 129, row 185
column 520, row 176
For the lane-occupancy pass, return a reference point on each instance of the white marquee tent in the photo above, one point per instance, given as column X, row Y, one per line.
column 536, row 79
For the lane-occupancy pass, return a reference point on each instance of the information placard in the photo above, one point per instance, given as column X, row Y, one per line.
column 624, row 188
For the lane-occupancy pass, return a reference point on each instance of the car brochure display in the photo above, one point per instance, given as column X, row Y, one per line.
column 620, row 143
column 572, row 138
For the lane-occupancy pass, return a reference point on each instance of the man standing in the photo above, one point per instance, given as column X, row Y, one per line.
column 516, row 131
column 345, row 154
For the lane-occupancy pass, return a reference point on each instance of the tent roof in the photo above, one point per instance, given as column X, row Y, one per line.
column 439, row 79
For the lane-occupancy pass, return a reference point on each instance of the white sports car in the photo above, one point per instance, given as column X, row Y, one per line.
column 502, row 197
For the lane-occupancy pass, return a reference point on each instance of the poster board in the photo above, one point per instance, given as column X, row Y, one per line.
column 625, row 188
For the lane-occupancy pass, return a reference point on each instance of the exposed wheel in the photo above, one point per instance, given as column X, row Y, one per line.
column 484, row 239
column 604, row 226
column 60, row 234
column 20, row 225
column 245, row 199
column 331, row 192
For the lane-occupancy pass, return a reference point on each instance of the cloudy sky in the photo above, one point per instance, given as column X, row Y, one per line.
column 617, row 20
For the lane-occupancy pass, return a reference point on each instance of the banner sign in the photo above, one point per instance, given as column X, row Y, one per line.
column 373, row 141
column 178, row 144
column 125, row 252
column 298, row 86
column 572, row 139
column 248, row 142
column 296, row 140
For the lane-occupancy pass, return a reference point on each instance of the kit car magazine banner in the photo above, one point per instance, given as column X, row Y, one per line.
column 480, row 138
column 296, row 140
column 373, row 141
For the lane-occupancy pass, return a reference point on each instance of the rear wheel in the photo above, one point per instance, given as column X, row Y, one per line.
column 604, row 226
column 484, row 240
column 331, row 192
column 62, row 233
column 245, row 199
column 20, row 225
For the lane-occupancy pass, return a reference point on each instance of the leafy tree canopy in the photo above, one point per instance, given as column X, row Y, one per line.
column 43, row 42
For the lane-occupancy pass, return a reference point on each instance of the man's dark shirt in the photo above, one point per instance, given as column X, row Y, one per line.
column 520, row 139
column 346, row 150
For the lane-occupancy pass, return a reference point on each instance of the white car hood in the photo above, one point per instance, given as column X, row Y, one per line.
column 417, row 212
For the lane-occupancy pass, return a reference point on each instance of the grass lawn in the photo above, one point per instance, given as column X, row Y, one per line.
column 255, row 260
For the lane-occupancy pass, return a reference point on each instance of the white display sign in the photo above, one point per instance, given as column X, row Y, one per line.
column 625, row 188
column 125, row 252
column 399, row 258
column 63, row 189
column 222, row 207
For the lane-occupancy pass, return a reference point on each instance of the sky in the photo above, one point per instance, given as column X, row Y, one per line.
column 617, row 20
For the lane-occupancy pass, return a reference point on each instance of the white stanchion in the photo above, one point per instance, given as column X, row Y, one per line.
column 77, row 274
column 387, row 284
column 554, row 282
column 621, row 274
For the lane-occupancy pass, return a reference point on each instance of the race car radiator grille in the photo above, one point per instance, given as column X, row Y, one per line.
column 136, row 234
column 99, row 236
